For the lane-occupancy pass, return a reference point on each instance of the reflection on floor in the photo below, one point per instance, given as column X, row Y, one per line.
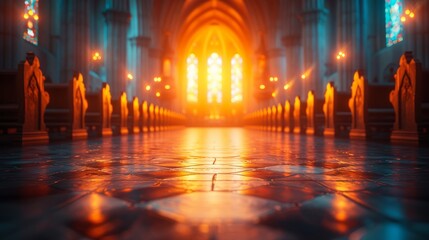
column 215, row 183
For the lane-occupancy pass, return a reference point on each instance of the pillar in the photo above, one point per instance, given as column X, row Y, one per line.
column 77, row 53
column 117, row 19
column 314, row 39
column 140, row 45
column 350, row 39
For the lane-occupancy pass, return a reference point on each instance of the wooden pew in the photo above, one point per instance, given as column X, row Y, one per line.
column 120, row 115
column 410, row 101
column 99, row 114
column 134, row 116
column 288, row 117
column 23, row 102
column 280, row 118
column 371, row 112
column 157, row 121
column 65, row 114
column 299, row 117
column 162, row 124
column 336, row 112
column 151, row 120
column 273, row 119
column 314, row 115
column 145, row 121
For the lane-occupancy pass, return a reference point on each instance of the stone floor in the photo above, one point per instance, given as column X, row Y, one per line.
column 214, row 183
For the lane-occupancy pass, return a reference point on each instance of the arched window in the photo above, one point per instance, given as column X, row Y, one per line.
column 214, row 78
column 236, row 78
column 31, row 17
column 192, row 75
column 394, row 28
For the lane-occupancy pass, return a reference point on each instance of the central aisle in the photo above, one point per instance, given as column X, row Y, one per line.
column 214, row 183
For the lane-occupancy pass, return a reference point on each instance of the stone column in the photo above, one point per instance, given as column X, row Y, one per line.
column 277, row 66
column 11, row 31
column 350, row 40
column 117, row 19
column 76, row 52
column 421, row 26
column 141, row 45
column 314, row 38
column 293, row 54
column 291, row 40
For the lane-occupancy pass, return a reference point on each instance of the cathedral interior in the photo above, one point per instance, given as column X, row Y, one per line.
column 214, row 119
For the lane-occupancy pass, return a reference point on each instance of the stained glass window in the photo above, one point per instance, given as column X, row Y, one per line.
column 214, row 78
column 236, row 78
column 31, row 17
column 192, row 74
column 394, row 27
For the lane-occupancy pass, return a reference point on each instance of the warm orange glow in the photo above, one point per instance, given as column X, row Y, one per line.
column 31, row 12
column 158, row 94
column 26, row 16
column 36, row 17
column 192, row 77
column 262, row 86
column 273, row 79
column 236, row 78
column 157, row 79
column 303, row 76
column 214, row 79
column 167, row 87
column 409, row 13
column 147, row 87
column 96, row 56
column 286, row 86
column 95, row 216
column 341, row 55
column 130, row 76
column 274, row 94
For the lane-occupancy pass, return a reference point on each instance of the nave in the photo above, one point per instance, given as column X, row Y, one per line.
column 214, row 183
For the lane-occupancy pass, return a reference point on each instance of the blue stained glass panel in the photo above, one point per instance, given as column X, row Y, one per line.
column 394, row 27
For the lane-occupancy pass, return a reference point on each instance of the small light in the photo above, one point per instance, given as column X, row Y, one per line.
column 271, row 79
column 338, row 57
column 25, row 16
column 403, row 19
column 158, row 94
column 30, row 12
column 273, row 94
column 275, row 79
column 130, row 76
column 147, row 87
column 36, row 17
column 96, row 56
column 411, row 15
column 262, row 86
column 407, row 11
column 286, row 86
column 30, row 24
column 167, row 87
column 303, row 76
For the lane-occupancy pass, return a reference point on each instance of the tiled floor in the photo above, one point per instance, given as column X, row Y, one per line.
column 215, row 183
